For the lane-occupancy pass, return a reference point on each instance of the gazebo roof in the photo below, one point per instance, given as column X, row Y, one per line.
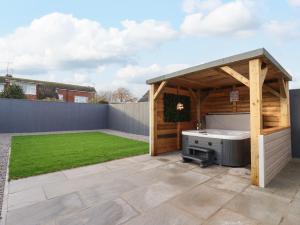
column 212, row 75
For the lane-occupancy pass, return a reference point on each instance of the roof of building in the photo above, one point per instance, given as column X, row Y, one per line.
column 145, row 97
column 52, row 84
column 258, row 53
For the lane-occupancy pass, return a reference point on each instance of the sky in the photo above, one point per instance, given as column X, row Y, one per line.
column 110, row 44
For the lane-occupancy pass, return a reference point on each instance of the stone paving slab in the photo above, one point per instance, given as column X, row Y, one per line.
column 145, row 190
column 141, row 158
column 109, row 213
column 186, row 180
column 25, row 198
column 35, row 181
column 90, row 180
column 264, row 207
column 119, row 164
column 227, row 217
column 165, row 215
column 148, row 177
column 291, row 219
column 211, row 171
column 229, row 183
column 203, row 201
column 85, row 170
column 281, row 187
column 173, row 169
column 45, row 211
column 150, row 164
column 294, row 207
column 240, row 172
column 110, row 191
column 298, row 193
column 61, row 188
column 148, row 197
column 291, row 172
column 170, row 156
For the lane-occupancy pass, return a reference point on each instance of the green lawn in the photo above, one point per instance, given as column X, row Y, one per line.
column 38, row 154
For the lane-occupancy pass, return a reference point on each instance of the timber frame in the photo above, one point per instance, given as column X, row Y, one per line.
column 264, row 93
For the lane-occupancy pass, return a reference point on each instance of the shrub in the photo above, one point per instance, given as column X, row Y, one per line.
column 13, row 91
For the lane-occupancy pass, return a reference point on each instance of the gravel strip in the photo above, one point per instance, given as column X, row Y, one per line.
column 4, row 153
column 126, row 135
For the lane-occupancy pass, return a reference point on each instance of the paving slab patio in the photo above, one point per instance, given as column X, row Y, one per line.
column 144, row 190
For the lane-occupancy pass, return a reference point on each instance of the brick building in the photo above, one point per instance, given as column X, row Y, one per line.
column 35, row 89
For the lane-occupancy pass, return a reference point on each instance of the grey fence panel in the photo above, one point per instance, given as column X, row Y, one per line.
column 129, row 117
column 295, row 121
column 41, row 116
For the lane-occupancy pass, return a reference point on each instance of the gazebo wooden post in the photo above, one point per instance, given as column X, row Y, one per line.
column 154, row 93
column 153, row 124
column 198, row 105
column 284, row 103
column 256, row 120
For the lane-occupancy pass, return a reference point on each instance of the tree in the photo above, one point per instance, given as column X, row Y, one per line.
column 102, row 97
column 13, row 91
column 123, row 95
column 105, row 96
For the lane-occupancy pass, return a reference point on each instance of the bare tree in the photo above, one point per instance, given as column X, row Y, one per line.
column 102, row 97
column 123, row 95
column 105, row 96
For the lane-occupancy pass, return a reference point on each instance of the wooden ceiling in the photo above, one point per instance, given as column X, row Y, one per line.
column 216, row 78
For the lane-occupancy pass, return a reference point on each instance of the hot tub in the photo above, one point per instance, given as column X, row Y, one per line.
column 231, row 147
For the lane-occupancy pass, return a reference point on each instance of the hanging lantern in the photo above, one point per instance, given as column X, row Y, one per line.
column 179, row 105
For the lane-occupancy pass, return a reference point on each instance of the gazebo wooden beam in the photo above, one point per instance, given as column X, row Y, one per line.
column 194, row 82
column 246, row 82
column 284, row 103
column 271, row 90
column 205, row 97
column 264, row 74
column 235, row 75
column 283, row 88
column 194, row 96
column 159, row 90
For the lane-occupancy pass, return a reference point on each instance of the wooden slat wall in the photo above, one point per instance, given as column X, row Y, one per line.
column 169, row 134
column 219, row 102
column 271, row 110
column 276, row 153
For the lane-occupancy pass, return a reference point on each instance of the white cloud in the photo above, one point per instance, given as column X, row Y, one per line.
column 81, row 78
column 231, row 18
column 100, row 70
column 295, row 84
column 294, row 3
column 139, row 74
column 63, row 42
column 190, row 6
column 283, row 31
column 134, row 76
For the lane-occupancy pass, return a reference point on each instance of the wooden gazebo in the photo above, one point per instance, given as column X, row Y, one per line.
column 263, row 86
